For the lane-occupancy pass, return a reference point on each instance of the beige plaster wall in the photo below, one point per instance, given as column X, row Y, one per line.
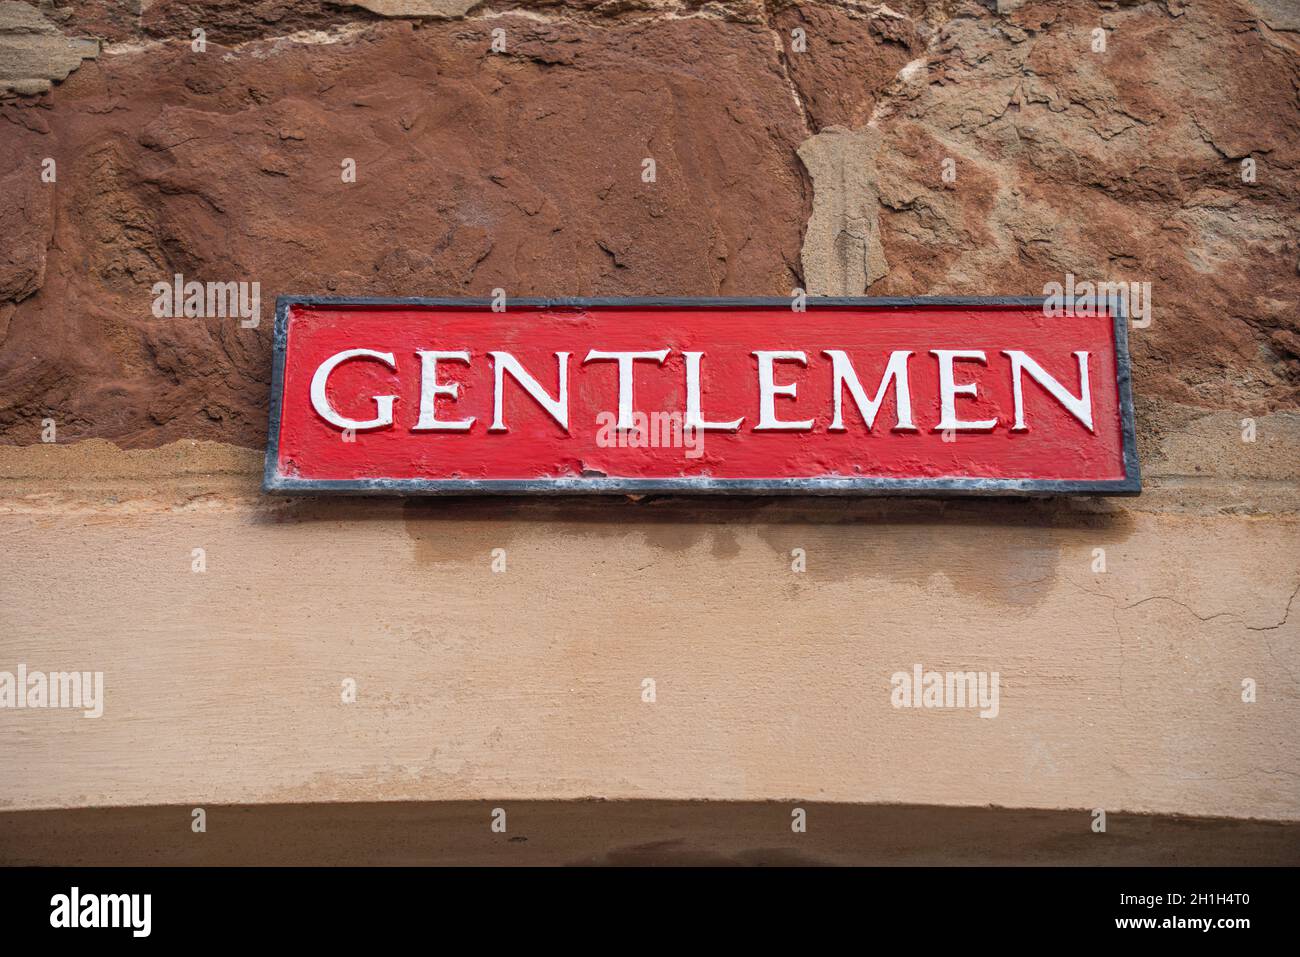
column 1120, row 690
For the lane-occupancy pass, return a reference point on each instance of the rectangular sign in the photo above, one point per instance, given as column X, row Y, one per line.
column 855, row 396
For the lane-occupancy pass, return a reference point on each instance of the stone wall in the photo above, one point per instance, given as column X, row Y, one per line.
column 847, row 148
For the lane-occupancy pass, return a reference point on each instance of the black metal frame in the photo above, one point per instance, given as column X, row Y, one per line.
column 274, row 482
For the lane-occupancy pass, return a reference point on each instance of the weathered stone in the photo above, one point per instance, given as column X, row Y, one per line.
column 845, row 58
column 842, row 252
column 1277, row 14
column 475, row 171
column 33, row 52
column 1122, row 165
column 26, row 223
column 1118, row 165
column 231, row 21
column 440, row 9
column 227, row 21
column 110, row 20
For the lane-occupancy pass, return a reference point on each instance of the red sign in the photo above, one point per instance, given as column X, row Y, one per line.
column 749, row 395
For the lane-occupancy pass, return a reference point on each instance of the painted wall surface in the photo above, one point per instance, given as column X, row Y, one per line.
column 269, row 651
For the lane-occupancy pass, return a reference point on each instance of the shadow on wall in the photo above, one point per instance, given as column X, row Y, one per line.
column 595, row 832
column 1003, row 546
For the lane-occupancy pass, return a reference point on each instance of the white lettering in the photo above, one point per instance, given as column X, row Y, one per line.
column 768, row 391
column 843, row 375
column 503, row 362
column 1080, row 408
column 320, row 402
column 948, row 391
column 431, row 388
column 694, row 416
column 625, row 360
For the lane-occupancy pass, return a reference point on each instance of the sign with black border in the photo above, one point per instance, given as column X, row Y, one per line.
column 278, row 479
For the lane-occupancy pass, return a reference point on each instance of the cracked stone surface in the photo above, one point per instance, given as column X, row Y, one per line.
column 474, row 171
column 417, row 8
column 33, row 52
column 779, row 166
column 842, row 252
